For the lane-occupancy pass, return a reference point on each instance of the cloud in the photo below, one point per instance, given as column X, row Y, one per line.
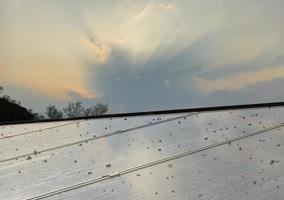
column 165, row 6
column 167, row 83
column 66, row 93
column 142, row 55
column 46, row 54
column 241, row 81
column 152, row 7
column 101, row 51
column 51, row 64
column 144, row 11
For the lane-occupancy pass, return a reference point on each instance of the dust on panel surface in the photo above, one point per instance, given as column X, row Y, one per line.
column 234, row 154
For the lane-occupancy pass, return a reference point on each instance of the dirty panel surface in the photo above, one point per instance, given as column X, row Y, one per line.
column 210, row 155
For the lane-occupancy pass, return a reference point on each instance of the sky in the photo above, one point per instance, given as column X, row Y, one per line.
column 142, row 55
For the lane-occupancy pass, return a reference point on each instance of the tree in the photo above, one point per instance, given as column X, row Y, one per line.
column 11, row 110
column 36, row 115
column 98, row 109
column 53, row 113
column 87, row 112
column 74, row 109
column 77, row 110
column 8, row 98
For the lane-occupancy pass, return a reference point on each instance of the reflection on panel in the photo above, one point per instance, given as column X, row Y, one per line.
column 238, row 170
column 210, row 155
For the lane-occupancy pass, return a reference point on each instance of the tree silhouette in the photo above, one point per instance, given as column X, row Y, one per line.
column 11, row 110
column 98, row 109
column 8, row 98
column 53, row 113
column 77, row 110
column 36, row 115
column 74, row 109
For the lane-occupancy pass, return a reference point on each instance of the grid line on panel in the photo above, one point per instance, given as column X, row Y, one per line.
column 98, row 137
column 39, row 130
column 133, row 169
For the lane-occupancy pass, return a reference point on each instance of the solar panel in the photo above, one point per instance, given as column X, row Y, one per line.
column 232, row 154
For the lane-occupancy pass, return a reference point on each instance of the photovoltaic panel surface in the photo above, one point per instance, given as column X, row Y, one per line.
column 233, row 154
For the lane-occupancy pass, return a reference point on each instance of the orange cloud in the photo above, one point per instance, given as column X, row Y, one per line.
column 54, row 71
column 63, row 93
column 241, row 81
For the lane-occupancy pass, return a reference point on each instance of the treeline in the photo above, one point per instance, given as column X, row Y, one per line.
column 75, row 109
column 72, row 109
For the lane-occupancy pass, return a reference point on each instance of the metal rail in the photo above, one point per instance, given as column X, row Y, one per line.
column 159, row 112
